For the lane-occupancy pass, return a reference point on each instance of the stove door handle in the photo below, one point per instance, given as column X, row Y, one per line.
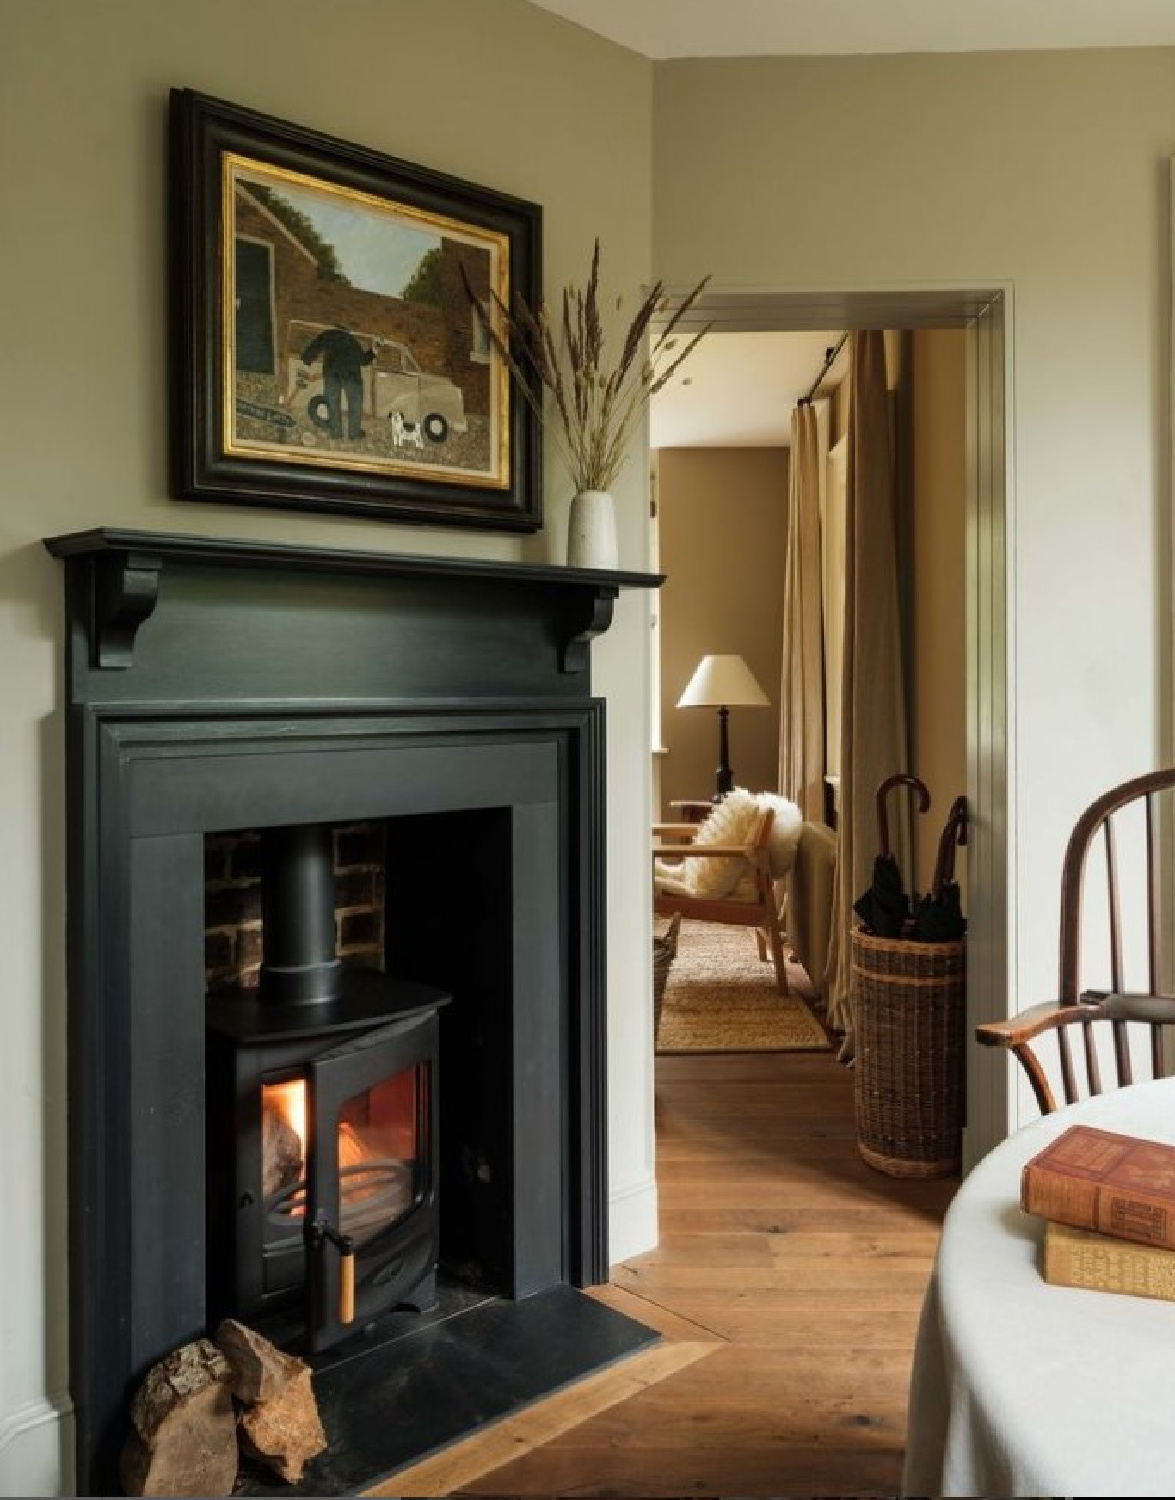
column 322, row 1230
column 346, row 1280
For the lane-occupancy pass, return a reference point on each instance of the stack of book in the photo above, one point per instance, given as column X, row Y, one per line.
column 1108, row 1202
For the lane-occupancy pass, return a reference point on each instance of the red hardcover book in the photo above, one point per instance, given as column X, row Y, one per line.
column 1120, row 1185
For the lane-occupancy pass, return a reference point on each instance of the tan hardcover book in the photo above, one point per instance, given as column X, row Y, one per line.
column 1120, row 1185
column 1084, row 1258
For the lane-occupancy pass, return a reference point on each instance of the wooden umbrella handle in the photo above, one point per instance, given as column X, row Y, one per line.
column 902, row 778
column 954, row 833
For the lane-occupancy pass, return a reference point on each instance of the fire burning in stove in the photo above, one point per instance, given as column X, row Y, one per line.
column 376, row 1150
column 284, row 1138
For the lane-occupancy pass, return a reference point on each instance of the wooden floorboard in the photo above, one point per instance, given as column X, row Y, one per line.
column 445, row 1473
column 789, row 1277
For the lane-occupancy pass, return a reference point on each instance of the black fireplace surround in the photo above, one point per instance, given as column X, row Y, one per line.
column 217, row 685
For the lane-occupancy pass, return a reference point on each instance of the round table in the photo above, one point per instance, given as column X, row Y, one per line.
column 1022, row 1388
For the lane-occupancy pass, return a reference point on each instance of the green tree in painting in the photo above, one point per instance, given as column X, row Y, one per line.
column 302, row 230
column 424, row 285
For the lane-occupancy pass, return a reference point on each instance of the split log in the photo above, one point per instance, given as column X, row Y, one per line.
column 183, row 1438
column 285, row 1431
column 280, row 1424
column 283, row 1162
column 260, row 1370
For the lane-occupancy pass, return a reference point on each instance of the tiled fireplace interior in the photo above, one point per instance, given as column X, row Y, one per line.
column 430, row 724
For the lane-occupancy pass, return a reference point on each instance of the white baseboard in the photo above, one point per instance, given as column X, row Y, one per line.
column 37, row 1448
column 632, row 1220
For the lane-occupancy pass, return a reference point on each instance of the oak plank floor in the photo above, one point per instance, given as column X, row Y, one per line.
column 792, row 1271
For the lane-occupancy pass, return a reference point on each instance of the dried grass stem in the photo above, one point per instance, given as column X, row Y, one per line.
column 590, row 412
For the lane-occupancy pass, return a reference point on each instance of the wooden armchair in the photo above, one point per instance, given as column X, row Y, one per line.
column 1123, row 1020
column 751, row 902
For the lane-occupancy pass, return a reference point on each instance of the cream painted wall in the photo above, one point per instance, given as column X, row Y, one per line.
column 1045, row 173
column 501, row 94
column 722, row 516
column 939, row 698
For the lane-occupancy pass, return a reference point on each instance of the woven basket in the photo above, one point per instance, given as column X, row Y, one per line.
column 664, row 952
column 909, row 1008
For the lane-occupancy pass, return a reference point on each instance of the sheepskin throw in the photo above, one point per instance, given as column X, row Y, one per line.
column 730, row 822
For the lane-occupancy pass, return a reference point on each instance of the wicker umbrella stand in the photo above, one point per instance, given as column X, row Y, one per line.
column 909, row 1009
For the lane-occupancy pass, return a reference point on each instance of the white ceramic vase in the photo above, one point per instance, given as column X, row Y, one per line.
column 591, row 530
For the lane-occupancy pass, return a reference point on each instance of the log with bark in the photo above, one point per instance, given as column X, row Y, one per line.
column 183, row 1438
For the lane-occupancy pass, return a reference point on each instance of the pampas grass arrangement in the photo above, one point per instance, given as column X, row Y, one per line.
column 591, row 411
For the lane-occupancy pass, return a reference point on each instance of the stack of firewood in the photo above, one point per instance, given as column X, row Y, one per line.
column 208, row 1402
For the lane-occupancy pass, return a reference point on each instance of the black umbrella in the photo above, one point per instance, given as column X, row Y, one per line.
column 885, row 907
column 939, row 917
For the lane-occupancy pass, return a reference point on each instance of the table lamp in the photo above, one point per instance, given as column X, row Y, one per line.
column 723, row 682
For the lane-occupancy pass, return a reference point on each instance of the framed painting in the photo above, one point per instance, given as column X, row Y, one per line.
column 326, row 353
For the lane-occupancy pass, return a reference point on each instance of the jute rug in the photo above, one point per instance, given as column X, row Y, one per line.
column 720, row 998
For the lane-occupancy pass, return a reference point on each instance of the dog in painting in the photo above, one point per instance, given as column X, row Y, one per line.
column 406, row 433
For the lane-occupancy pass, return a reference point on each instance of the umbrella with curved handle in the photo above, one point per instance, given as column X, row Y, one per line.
column 885, row 906
column 954, row 834
column 902, row 778
column 939, row 917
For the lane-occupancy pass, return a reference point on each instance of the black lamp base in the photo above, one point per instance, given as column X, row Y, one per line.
column 725, row 776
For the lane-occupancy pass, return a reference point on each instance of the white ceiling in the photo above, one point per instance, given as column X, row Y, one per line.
column 737, row 390
column 743, row 28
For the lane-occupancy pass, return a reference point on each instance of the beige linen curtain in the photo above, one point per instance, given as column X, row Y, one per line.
column 873, row 705
column 801, row 729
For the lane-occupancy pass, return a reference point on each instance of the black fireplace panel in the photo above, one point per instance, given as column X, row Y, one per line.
column 499, row 1176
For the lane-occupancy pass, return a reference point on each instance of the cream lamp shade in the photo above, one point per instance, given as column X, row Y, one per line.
column 723, row 682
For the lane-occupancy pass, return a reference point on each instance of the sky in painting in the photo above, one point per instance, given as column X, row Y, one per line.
column 376, row 251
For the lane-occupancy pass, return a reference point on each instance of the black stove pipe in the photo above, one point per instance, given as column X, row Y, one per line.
column 298, row 963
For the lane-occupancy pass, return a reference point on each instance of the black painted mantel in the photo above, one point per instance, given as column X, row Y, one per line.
column 215, row 685
column 126, row 567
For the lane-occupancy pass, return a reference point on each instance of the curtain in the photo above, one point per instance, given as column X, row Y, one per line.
column 801, row 729
column 873, row 705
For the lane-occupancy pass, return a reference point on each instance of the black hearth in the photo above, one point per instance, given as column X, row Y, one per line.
column 223, row 686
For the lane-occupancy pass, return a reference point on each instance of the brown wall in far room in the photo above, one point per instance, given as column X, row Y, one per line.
column 723, row 530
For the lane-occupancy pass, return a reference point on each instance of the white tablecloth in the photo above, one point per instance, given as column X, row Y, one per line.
column 1024, row 1389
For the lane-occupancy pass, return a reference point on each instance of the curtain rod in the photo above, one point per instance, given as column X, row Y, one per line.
column 829, row 360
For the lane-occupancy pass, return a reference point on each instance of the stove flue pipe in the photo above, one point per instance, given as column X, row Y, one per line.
column 299, row 965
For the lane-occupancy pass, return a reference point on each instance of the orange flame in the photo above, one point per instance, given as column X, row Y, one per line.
column 288, row 1101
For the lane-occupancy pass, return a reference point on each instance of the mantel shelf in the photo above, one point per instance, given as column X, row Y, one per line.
column 128, row 564
column 238, row 552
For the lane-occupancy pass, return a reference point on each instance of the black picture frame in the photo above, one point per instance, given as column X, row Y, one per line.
column 280, row 234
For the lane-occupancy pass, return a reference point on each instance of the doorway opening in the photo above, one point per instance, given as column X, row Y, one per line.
column 982, row 315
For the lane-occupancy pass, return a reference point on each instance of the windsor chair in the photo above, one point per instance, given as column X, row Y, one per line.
column 1119, row 1019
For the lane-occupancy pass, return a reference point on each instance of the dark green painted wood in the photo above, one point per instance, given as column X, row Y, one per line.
column 516, row 620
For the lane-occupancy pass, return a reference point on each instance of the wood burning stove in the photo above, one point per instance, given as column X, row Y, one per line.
column 322, row 1118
